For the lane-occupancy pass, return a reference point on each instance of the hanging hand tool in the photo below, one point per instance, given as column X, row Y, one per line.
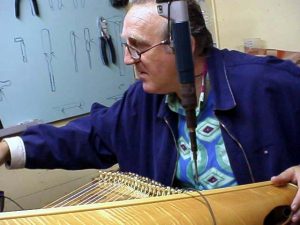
column 105, row 39
column 34, row 8
column 119, row 3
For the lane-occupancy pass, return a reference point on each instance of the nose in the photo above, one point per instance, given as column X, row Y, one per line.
column 128, row 60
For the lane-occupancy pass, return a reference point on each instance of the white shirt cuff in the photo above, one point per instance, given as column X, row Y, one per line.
column 17, row 153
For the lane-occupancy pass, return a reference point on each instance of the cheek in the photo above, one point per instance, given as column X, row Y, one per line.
column 165, row 64
column 168, row 67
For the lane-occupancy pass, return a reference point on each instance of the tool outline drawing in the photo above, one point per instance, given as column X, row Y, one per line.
column 88, row 48
column 59, row 4
column 4, row 84
column 76, row 4
column 73, row 43
column 69, row 107
column 48, row 54
column 22, row 47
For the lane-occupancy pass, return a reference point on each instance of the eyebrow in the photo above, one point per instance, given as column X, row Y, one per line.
column 134, row 37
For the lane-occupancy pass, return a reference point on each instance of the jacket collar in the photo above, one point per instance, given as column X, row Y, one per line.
column 223, row 96
column 164, row 110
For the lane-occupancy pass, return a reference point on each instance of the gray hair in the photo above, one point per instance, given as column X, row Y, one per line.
column 199, row 31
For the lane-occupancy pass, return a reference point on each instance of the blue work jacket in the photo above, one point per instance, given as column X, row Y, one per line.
column 256, row 99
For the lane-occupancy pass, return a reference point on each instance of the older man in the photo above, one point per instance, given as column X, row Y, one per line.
column 248, row 116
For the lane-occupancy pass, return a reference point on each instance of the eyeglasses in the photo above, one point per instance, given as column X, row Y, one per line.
column 136, row 54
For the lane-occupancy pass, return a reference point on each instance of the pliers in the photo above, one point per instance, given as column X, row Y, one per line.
column 105, row 39
column 34, row 5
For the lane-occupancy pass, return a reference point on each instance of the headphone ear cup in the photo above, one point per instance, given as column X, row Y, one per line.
column 119, row 3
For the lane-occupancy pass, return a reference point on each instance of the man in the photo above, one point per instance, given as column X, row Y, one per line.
column 248, row 116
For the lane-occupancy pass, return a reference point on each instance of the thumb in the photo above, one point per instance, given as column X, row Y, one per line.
column 284, row 177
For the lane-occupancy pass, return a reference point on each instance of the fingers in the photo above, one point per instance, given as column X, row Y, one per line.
column 285, row 177
column 295, row 206
column 291, row 174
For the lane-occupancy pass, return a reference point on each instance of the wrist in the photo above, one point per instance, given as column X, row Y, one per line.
column 16, row 154
column 4, row 152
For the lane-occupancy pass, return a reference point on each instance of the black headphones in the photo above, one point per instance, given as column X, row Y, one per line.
column 119, row 3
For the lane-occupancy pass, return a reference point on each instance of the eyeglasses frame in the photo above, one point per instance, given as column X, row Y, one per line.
column 139, row 53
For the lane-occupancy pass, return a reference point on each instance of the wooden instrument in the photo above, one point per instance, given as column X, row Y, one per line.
column 245, row 204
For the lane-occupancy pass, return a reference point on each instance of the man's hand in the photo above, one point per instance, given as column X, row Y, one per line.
column 4, row 152
column 292, row 175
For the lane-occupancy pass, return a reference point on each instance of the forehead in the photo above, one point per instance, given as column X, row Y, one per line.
column 143, row 22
